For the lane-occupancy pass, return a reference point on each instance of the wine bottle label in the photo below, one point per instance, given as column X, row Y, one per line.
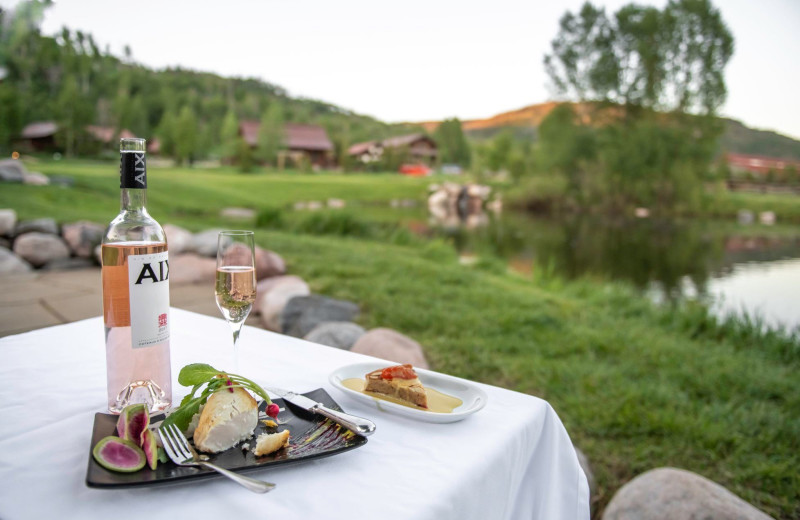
column 132, row 170
column 148, row 282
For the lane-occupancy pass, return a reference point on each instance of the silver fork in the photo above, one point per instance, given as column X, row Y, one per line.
column 182, row 454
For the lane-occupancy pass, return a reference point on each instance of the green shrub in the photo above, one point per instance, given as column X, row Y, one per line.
column 271, row 218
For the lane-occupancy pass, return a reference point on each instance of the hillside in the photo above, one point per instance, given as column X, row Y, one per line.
column 67, row 78
column 523, row 122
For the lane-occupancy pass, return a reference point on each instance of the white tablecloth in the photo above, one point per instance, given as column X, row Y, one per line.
column 513, row 459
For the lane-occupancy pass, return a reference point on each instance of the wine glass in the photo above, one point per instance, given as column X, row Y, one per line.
column 235, row 287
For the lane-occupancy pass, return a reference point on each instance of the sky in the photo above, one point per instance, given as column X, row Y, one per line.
column 418, row 60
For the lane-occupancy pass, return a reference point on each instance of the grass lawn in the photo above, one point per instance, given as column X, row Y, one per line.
column 637, row 386
column 192, row 196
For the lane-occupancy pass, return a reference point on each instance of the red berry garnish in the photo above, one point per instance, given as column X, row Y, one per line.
column 272, row 410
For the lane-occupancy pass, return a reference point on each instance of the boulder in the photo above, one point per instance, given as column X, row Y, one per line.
column 40, row 248
column 268, row 264
column 11, row 170
column 179, row 240
column 583, row 460
column 39, row 225
column 767, row 218
column 35, row 179
column 4, row 242
column 8, row 219
column 745, row 216
column 272, row 295
column 670, row 493
column 205, row 242
column 391, row 345
column 303, row 313
column 11, row 263
column 238, row 213
column 82, row 237
column 338, row 334
column 68, row 264
column 191, row 268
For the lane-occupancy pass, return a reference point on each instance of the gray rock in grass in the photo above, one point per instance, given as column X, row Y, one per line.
column 303, row 313
column 337, row 334
column 674, row 494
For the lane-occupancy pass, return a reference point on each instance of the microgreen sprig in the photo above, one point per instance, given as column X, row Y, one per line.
column 198, row 374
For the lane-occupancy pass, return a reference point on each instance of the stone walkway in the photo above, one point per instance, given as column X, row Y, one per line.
column 44, row 298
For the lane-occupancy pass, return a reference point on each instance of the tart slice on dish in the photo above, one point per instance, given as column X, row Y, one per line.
column 400, row 382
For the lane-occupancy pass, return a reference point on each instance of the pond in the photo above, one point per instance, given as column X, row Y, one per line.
column 737, row 268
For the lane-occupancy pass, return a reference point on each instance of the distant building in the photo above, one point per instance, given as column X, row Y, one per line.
column 420, row 148
column 106, row 134
column 39, row 136
column 301, row 141
column 758, row 164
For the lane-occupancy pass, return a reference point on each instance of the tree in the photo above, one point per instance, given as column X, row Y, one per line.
column 632, row 68
column 669, row 60
column 565, row 146
column 229, row 136
column 500, row 151
column 186, row 136
column 166, row 133
column 74, row 113
column 244, row 156
column 271, row 134
column 453, row 145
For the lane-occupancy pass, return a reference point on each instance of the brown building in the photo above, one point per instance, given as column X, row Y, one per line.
column 759, row 164
column 106, row 134
column 39, row 136
column 420, row 148
column 301, row 141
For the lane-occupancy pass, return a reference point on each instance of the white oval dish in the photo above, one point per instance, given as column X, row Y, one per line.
column 472, row 397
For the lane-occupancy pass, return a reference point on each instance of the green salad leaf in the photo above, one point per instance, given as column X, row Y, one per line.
column 197, row 375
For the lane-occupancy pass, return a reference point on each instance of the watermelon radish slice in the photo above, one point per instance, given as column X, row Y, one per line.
column 150, row 448
column 133, row 420
column 118, row 455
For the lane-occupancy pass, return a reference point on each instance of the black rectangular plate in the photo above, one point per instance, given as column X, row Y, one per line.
column 312, row 437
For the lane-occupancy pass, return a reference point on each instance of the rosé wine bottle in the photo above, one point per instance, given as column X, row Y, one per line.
column 136, row 294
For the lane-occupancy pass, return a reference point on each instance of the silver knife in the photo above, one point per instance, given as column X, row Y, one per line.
column 357, row 424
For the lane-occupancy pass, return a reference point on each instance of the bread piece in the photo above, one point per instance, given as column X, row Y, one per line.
column 409, row 390
column 227, row 418
column 267, row 443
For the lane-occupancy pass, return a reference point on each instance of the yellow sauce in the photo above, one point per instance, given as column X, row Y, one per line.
column 437, row 401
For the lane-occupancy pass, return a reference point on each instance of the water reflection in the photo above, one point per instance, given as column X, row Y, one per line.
column 670, row 259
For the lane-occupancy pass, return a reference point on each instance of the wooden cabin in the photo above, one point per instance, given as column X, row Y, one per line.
column 420, row 148
column 39, row 136
column 309, row 142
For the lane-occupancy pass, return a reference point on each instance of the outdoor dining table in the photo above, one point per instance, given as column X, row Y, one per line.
column 513, row 459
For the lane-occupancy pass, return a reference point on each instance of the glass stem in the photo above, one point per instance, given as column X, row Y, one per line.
column 236, row 328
